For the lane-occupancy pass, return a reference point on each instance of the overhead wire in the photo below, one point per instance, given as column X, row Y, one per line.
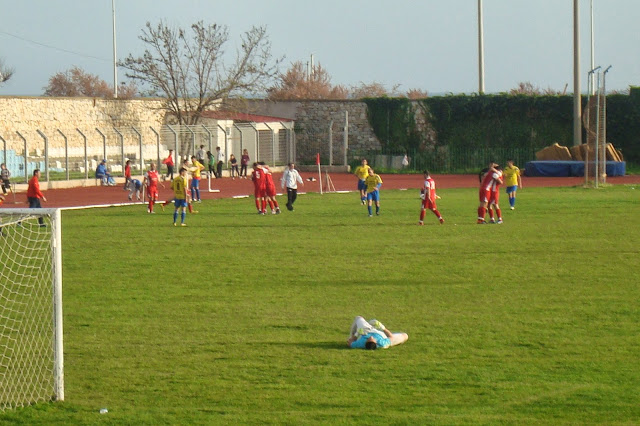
column 53, row 47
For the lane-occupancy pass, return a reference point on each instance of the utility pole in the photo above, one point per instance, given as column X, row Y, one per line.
column 577, row 106
column 480, row 50
column 115, row 57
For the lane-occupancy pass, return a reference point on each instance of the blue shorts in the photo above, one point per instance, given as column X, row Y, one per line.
column 373, row 196
column 195, row 183
column 179, row 203
column 362, row 186
column 511, row 189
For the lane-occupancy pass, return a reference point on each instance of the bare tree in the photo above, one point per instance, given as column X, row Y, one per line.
column 296, row 84
column 372, row 90
column 5, row 72
column 77, row 82
column 188, row 68
column 527, row 88
column 417, row 94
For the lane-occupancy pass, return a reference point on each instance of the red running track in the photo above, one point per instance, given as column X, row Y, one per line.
column 88, row 196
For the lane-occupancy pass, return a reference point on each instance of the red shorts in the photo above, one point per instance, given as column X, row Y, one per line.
column 270, row 191
column 152, row 192
column 485, row 195
column 495, row 196
column 258, row 192
column 431, row 205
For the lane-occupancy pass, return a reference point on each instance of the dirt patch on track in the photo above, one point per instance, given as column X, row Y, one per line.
column 91, row 196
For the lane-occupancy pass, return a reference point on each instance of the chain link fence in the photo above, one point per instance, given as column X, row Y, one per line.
column 76, row 154
column 441, row 160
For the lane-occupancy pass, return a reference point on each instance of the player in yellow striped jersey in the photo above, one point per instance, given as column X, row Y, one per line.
column 373, row 183
column 512, row 181
column 179, row 187
column 362, row 172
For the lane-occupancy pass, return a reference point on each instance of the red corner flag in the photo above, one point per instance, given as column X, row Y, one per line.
column 318, row 159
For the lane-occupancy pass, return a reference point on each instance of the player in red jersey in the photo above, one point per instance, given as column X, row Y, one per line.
column 127, row 174
column 429, row 196
column 487, row 183
column 270, row 190
column 495, row 197
column 259, row 183
column 151, row 180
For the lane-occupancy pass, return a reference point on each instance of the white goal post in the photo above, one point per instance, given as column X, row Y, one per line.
column 31, row 343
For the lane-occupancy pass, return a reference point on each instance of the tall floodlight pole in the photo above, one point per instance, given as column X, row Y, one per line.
column 593, row 51
column 480, row 50
column 577, row 125
column 115, row 57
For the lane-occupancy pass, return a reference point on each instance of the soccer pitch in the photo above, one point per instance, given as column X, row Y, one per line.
column 241, row 318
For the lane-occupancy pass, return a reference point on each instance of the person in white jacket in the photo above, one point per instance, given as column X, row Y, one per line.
column 290, row 179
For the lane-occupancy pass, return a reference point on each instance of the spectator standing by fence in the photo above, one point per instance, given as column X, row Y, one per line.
column 170, row 164
column 211, row 162
column 234, row 166
column 5, row 176
column 220, row 158
column 244, row 163
column 34, row 195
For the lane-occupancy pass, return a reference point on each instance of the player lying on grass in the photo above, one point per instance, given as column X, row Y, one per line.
column 372, row 335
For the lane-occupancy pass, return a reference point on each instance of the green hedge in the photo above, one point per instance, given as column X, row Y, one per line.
column 500, row 121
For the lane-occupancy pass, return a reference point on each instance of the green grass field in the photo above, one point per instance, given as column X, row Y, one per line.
column 239, row 318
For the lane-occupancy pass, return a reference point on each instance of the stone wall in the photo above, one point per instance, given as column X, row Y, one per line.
column 313, row 119
column 29, row 114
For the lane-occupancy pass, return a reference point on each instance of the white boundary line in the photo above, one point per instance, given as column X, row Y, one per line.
column 142, row 203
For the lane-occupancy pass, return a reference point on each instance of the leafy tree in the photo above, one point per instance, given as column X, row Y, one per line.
column 5, row 73
column 77, row 82
column 188, row 69
column 296, row 84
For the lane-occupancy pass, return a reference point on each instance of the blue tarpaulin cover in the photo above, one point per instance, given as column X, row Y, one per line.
column 569, row 168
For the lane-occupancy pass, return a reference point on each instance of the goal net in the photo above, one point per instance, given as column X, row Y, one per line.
column 31, row 361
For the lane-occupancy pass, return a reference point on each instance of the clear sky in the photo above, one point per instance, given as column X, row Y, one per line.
column 418, row 44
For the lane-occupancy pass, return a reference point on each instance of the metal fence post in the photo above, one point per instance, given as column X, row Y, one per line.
column 46, row 154
column 331, row 143
column 208, row 135
column 121, row 148
column 66, row 153
column 4, row 149
column 175, row 137
column 252, row 124
column 157, row 144
column 225, row 141
column 104, row 144
column 26, row 163
column 86, row 159
column 140, row 144
column 290, row 157
column 273, row 144
column 193, row 140
column 346, row 136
